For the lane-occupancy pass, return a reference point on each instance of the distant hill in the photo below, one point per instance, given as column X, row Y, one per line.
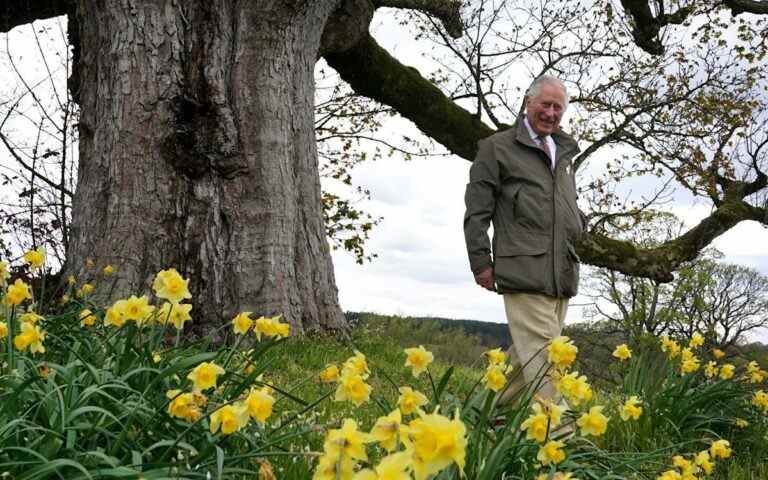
column 489, row 334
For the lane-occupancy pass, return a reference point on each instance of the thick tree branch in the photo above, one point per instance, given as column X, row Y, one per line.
column 659, row 263
column 447, row 11
column 747, row 6
column 647, row 26
column 19, row 12
column 374, row 73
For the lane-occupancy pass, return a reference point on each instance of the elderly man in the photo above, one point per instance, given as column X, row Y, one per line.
column 522, row 180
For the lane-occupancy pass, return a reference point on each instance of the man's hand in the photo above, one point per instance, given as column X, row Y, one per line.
column 485, row 279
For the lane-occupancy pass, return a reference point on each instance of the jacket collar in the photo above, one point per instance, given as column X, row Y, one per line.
column 563, row 141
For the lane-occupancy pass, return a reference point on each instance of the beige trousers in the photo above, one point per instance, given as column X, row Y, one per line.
column 534, row 320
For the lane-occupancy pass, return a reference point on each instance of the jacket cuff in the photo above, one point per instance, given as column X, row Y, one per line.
column 481, row 265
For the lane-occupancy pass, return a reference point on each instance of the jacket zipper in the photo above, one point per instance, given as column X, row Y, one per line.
column 554, row 229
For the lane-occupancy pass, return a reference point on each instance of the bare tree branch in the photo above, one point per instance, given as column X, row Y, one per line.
column 447, row 11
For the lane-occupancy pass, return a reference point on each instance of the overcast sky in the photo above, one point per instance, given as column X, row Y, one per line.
column 422, row 267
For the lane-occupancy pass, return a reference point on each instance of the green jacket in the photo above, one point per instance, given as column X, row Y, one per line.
column 536, row 221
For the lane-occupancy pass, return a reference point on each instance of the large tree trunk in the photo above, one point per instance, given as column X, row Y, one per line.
column 197, row 151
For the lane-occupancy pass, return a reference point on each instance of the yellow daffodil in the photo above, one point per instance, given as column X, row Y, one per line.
column 5, row 273
column 177, row 313
column 741, row 423
column 574, row 387
column 717, row 353
column 391, row 467
column 631, row 409
column 352, row 387
column 356, row 364
column 720, row 449
column 331, row 467
column 30, row 317
column 594, row 422
column 418, row 358
column 35, row 258
column 758, row 376
column 171, row 286
column 229, row 418
column 622, row 352
column 137, row 309
column 562, row 352
column 436, row 442
column 670, row 346
column 115, row 315
column 704, row 462
column 329, row 374
column 242, row 323
column 410, row 400
column 17, row 293
column 108, row 270
column 71, row 280
column 87, row 318
column 494, row 377
column 271, row 327
column 3, row 329
column 156, row 358
column 557, row 476
column 386, row 430
column 760, row 400
column 87, row 288
column 536, row 427
column 711, row 370
column 687, row 468
column 696, row 341
column 347, row 442
column 669, row 475
column 259, row 403
column 30, row 337
column 204, row 375
column 726, row 371
column 496, row 356
column 551, row 453
column 689, row 365
column 183, row 405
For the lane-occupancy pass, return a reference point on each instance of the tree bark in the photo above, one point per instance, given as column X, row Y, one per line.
column 197, row 151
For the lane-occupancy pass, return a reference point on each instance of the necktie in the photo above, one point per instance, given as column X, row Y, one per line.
column 545, row 147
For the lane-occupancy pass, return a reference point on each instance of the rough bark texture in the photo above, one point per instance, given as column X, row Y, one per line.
column 197, row 151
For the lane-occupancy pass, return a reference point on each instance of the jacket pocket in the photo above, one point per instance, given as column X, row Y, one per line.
column 569, row 274
column 522, row 263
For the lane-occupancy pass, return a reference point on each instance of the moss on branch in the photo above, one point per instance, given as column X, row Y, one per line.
column 374, row 73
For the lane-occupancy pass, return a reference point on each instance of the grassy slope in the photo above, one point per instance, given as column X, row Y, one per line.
column 382, row 339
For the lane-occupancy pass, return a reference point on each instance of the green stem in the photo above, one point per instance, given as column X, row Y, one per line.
column 42, row 291
column 232, row 352
column 10, row 338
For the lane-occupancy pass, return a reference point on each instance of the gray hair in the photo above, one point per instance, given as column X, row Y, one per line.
column 535, row 89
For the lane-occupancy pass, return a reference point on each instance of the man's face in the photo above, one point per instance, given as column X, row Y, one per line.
column 545, row 110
